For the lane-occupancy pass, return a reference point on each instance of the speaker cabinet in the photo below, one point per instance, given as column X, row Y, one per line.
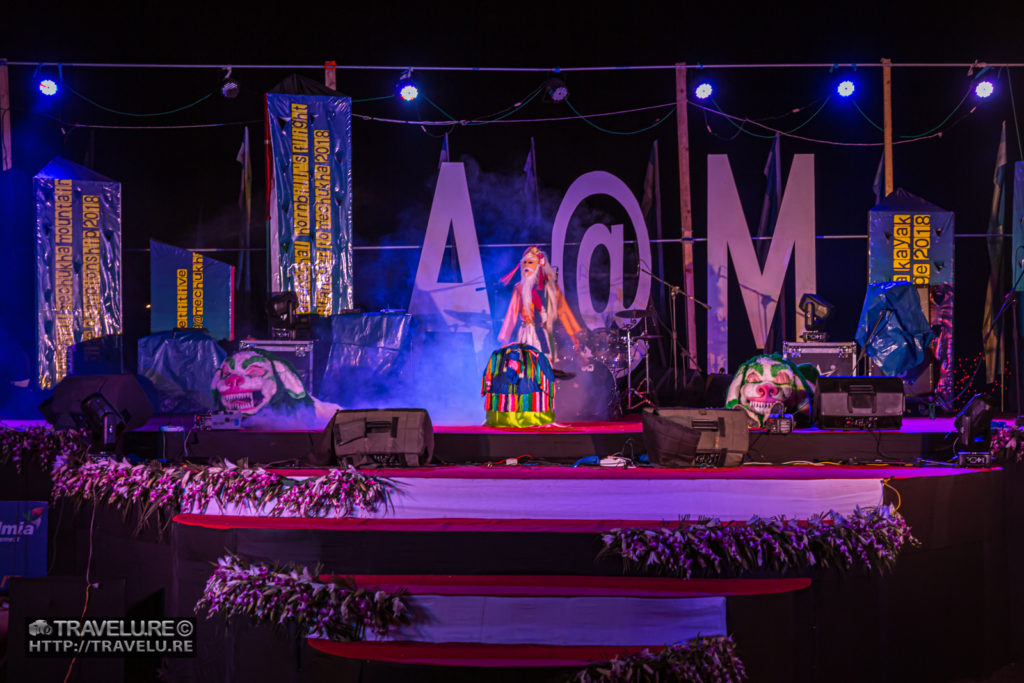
column 859, row 403
column 385, row 438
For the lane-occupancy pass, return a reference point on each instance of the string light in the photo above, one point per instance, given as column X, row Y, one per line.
column 846, row 88
column 48, row 87
column 703, row 91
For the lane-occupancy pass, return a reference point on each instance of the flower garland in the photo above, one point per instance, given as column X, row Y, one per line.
column 18, row 445
column 281, row 595
column 1010, row 440
column 699, row 659
column 153, row 488
column 871, row 538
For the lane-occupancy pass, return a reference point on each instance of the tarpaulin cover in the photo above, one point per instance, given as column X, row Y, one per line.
column 78, row 262
column 902, row 336
column 365, row 350
column 910, row 240
column 180, row 365
column 310, row 204
column 189, row 290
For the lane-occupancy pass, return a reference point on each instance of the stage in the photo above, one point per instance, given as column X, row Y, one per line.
column 506, row 558
column 564, row 444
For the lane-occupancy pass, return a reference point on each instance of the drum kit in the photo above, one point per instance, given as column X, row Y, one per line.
column 607, row 357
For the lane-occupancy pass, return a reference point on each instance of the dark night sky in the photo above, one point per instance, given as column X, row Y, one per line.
column 182, row 187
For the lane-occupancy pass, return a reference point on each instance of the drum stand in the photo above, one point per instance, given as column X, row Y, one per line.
column 640, row 394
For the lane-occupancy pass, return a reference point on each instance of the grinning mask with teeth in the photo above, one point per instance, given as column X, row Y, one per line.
column 766, row 381
column 250, row 380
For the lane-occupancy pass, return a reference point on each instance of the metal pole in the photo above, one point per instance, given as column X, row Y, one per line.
column 887, row 122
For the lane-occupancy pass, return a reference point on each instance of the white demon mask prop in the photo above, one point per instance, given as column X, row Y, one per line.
column 251, row 380
column 764, row 383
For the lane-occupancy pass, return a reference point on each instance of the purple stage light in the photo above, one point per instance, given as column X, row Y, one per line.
column 703, row 91
column 846, row 88
column 48, row 87
column 984, row 89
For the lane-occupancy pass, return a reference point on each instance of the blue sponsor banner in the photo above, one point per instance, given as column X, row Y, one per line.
column 910, row 240
column 23, row 525
column 190, row 291
column 310, row 227
column 78, row 263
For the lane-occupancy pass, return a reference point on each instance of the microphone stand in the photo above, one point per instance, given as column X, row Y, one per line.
column 674, row 291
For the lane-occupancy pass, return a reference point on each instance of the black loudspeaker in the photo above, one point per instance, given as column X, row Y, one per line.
column 854, row 403
column 106, row 405
column 695, row 437
column 383, row 438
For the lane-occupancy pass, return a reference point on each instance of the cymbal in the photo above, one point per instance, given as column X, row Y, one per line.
column 633, row 313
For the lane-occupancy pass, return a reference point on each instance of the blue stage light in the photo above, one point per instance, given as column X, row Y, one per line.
column 984, row 89
column 48, row 87
column 845, row 88
column 703, row 91
column 406, row 87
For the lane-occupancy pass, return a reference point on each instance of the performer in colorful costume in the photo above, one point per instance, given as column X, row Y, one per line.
column 536, row 303
column 518, row 388
column 766, row 381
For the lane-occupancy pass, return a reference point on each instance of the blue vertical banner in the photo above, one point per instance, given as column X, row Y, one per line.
column 78, row 263
column 1017, row 258
column 190, row 291
column 310, row 222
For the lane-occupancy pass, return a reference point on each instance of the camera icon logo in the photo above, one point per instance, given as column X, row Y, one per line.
column 39, row 627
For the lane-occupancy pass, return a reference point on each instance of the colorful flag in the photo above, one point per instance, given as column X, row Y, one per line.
column 996, row 282
column 765, row 228
column 531, row 190
column 444, row 152
column 876, row 185
column 245, row 203
column 651, row 203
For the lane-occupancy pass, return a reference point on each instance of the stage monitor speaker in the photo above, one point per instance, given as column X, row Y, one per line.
column 695, row 437
column 382, row 438
column 859, row 403
column 65, row 409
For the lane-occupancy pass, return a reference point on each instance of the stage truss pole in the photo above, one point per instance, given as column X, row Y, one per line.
column 887, row 123
column 685, row 209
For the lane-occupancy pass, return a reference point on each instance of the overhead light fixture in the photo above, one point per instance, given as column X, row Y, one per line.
column 230, row 87
column 555, row 90
column 46, row 83
column 703, row 90
column 845, row 88
column 406, row 87
column 984, row 89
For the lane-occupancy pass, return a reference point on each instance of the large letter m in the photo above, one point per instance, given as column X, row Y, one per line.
column 728, row 234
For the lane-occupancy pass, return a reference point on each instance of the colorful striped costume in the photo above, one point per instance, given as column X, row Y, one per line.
column 518, row 388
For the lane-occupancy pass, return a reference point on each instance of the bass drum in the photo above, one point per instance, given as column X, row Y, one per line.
column 589, row 395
